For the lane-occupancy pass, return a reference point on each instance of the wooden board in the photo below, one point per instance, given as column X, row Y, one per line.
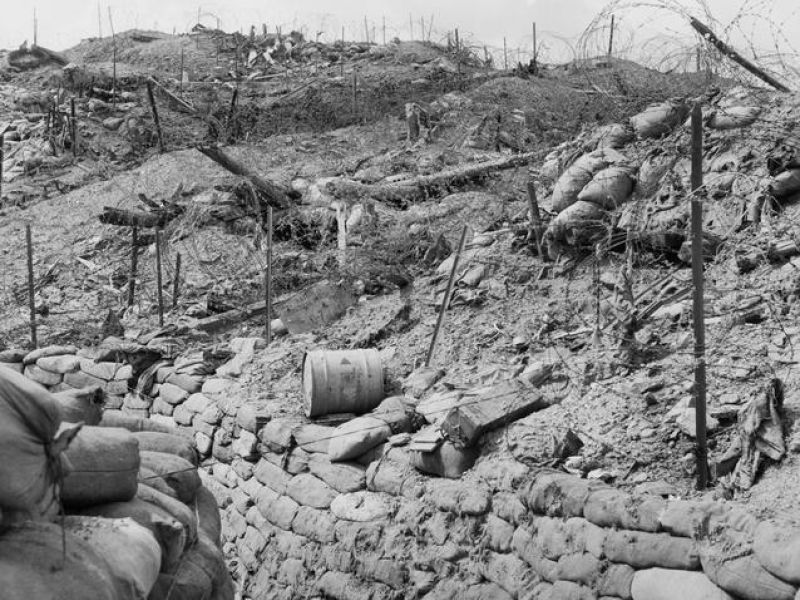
column 484, row 409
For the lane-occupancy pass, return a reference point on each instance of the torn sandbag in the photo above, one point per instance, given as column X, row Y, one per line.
column 130, row 550
column 46, row 562
column 30, row 460
column 83, row 405
column 615, row 135
column 659, row 119
column 609, row 187
column 760, row 435
column 579, row 223
column 734, row 117
column 786, row 183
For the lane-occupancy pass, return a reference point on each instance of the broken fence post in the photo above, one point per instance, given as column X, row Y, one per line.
column 155, row 116
column 268, row 277
column 31, row 290
column 232, row 114
column 158, row 279
column 447, row 295
column 134, row 260
column 176, row 280
column 697, row 280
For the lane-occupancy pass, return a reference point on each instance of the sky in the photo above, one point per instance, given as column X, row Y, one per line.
column 63, row 23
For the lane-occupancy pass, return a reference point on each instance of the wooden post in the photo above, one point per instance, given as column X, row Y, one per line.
column 448, row 293
column 35, row 28
column 176, row 280
column 114, row 74
column 505, row 55
column 430, row 27
column 535, row 223
column 2, row 142
column 134, row 261
column 355, row 92
column 422, row 27
column 73, row 127
column 535, row 50
column 111, row 23
column 458, row 52
column 366, row 28
column 31, row 290
column 384, row 30
column 342, row 36
column 611, row 39
column 180, row 85
column 232, row 113
column 268, row 276
column 410, row 27
column 158, row 279
column 99, row 22
column 697, row 280
column 155, row 116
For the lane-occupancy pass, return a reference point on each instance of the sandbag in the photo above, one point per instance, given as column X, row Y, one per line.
column 200, row 574
column 174, row 507
column 777, row 548
column 355, row 437
column 669, row 584
column 578, row 222
column 154, row 480
column 168, row 531
column 103, row 467
column 575, row 178
column 33, row 565
column 733, row 117
column 786, row 183
column 176, row 472
column 609, row 187
column 83, row 405
column 659, row 119
column 743, row 576
column 29, row 454
column 130, row 550
column 208, row 518
column 614, row 135
column 116, row 418
column 156, row 441
column 445, row 461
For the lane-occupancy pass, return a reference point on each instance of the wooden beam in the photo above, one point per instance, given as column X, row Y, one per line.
column 726, row 50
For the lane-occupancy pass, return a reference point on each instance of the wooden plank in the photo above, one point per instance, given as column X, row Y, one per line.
column 488, row 408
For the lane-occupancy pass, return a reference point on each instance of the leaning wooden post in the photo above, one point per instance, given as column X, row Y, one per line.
column 158, row 279
column 535, row 223
column 134, row 260
column 31, row 290
column 611, row 39
column 155, row 116
column 176, row 280
column 268, row 277
column 697, row 280
column 447, row 295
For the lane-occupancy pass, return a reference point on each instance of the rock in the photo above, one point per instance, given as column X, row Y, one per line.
column 41, row 376
column 32, row 357
column 172, row 393
column 59, row 364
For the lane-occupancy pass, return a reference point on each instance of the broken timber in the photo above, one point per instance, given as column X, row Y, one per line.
column 134, row 218
column 488, row 408
column 726, row 50
column 419, row 188
column 270, row 193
